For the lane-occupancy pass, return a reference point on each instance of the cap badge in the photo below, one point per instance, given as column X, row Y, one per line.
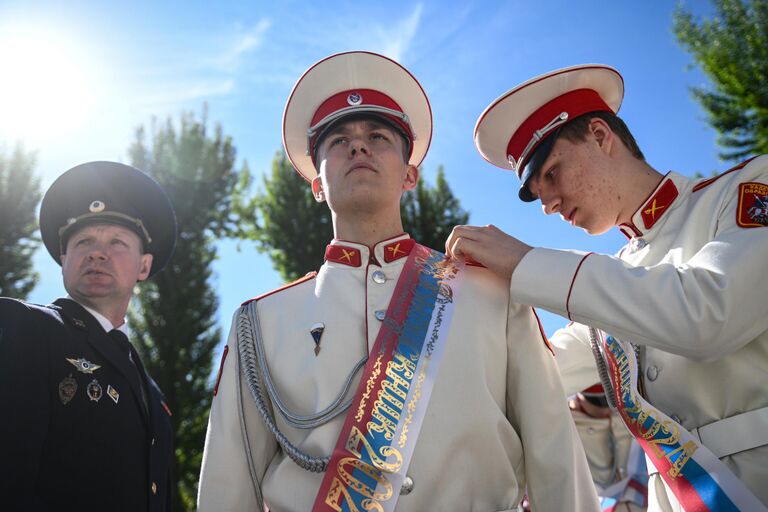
column 83, row 365
column 97, row 206
column 67, row 389
column 317, row 333
column 354, row 98
column 94, row 390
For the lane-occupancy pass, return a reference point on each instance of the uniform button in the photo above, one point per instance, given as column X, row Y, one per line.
column 153, row 441
column 590, row 430
column 379, row 277
column 154, row 488
column 407, row 486
column 380, row 314
column 652, row 372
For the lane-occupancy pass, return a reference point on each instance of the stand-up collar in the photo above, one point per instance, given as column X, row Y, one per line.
column 651, row 214
column 356, row 255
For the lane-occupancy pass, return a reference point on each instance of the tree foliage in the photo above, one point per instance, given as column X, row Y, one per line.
column 294, row 229
column 19, row 197
column 175, row 321
column 732, row 50
column 430, row 213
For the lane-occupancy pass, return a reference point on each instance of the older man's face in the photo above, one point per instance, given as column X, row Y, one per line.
column 103, row 262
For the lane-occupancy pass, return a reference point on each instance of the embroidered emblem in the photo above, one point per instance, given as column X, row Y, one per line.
column 94, row 390
column 113, row 394
column 78, row 323
column 67, row 389
column 347, row 255
column 355, row 98
column 83, row 365
column 753, row 205
column 317, row 334
column 395, row 250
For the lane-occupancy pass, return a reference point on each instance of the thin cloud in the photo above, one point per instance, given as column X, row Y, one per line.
column 245, row 42
column 397, row 39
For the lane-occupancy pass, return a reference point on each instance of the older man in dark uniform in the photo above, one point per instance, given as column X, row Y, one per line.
column 84, row 427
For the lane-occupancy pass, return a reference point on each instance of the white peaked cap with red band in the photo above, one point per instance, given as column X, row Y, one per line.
column 512, row 127
column 354, row 83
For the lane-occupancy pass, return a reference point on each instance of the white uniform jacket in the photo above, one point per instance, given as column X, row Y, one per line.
column 497, row 420
column 690, row 288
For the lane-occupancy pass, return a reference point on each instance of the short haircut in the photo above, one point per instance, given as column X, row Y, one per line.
column 371, row 118
column 576, row 130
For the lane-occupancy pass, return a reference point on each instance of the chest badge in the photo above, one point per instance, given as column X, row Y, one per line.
column 83, row 365
column 317, row 334
column 94, row 390
column 67, row 389
column 113, row 394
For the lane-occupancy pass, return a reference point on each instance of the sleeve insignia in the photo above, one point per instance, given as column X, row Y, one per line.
column 753, row 205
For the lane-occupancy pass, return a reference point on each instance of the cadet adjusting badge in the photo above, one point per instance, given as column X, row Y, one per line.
column 753, row 205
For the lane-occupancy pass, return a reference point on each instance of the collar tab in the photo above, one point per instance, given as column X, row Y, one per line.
column 660, row 201
column 344, row 254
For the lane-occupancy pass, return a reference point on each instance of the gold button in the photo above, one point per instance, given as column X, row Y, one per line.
column 154, row 488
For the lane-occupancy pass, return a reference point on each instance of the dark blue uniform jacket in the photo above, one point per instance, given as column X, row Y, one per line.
column 73, row 440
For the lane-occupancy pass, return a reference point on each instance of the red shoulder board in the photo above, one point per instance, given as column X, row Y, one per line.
column 310, row 275
column 715, row 178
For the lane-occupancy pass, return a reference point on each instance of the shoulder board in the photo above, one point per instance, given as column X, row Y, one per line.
column 715, row 178
column 310, row 275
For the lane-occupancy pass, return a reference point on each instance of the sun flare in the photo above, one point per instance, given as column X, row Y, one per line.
column 46, row 88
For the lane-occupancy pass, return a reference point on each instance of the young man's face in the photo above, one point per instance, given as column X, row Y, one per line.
column 103, row 262
column 576, row 181
column 362, row 167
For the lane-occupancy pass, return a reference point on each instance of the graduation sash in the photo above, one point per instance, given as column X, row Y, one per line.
column 368, row 465
column 700, row 482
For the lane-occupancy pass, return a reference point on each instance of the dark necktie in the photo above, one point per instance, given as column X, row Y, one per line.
column 133, row 356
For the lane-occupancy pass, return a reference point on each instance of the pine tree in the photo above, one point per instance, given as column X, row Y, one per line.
column 732, row 50
column 295, row 229
column 19, row 197
column 175, row 321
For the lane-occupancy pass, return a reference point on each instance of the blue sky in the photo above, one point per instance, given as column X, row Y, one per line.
column 88, row 73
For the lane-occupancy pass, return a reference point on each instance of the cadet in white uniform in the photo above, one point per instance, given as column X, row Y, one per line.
column 688, row 290
column 497, row 421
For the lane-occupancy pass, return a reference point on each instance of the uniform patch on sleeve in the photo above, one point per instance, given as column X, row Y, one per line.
column 753, row 205
column 221, row 369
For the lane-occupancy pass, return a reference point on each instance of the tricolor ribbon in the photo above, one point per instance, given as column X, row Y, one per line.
column 373, row 451
column 700, row 482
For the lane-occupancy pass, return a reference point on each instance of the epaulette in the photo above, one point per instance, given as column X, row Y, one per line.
column 310, row 275
column 715, row 178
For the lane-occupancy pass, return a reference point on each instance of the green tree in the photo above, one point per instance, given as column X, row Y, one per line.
column 174, row 323
column 732, row 50
column 430, row 213
column 19, row 197
column 295, row 229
